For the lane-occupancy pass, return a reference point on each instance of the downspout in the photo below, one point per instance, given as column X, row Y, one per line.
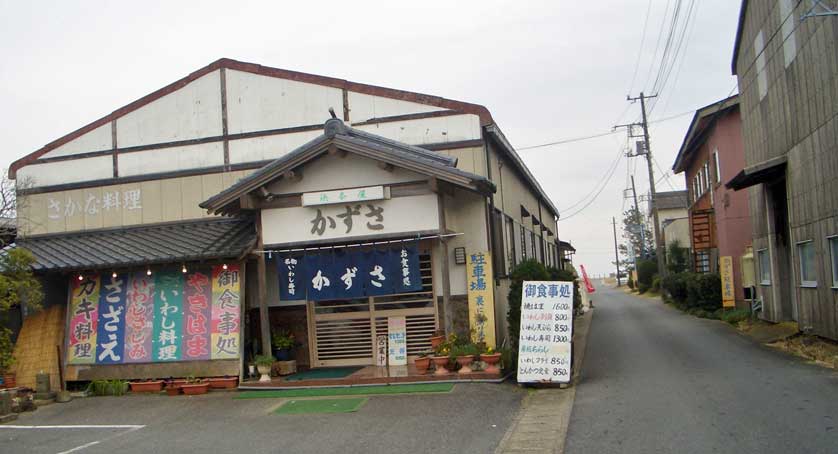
column 541, row 233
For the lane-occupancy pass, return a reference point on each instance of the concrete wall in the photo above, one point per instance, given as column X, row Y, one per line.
column 787, row 87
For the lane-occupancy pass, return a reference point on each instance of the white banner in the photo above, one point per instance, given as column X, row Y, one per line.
column 544, row 344
column 397, row 341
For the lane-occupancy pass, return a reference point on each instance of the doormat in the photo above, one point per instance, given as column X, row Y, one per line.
column 297, row 407
column 353, row 391
column 323, row 372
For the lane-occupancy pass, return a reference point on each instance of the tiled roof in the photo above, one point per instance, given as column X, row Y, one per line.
column 671, row 200
column 147, row 245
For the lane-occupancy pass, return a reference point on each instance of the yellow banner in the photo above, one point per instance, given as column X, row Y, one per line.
column 728, row 290
column 481, row 299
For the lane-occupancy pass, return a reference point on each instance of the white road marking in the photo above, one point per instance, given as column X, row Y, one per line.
column 77, row 426
column 79, row 448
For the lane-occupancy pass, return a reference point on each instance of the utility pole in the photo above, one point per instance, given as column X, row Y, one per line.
column 642, row 230
column 616, row 253
column 647, row 151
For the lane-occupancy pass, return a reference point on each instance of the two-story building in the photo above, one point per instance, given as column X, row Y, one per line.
column 181, row 230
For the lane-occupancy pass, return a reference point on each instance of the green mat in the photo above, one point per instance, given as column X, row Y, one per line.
column 325, row 372
column 353, row 391
column 296, row 407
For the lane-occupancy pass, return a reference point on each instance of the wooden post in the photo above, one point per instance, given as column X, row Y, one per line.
column 242, row 317
column 262, row 290
column 446, row 277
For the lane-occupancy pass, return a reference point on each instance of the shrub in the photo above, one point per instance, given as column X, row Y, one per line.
column 675, row 286
column 568, row 276
column 735, row 316
column 656, row 283
column 7, row 348
column 646, row 270
column 704, row 291
column 528, row 270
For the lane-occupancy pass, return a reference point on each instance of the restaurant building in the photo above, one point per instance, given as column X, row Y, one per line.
column 181, row 230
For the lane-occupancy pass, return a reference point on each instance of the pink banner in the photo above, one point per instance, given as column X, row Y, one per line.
column 139, row 318
column 197, row 313
column 588, row 285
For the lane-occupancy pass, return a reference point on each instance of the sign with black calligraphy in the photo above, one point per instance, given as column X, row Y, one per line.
column 407, row 278
column 544, row 344
column 168, row 316
column 292, row 277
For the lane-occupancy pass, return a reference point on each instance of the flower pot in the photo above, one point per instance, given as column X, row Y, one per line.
column 192, row 389
column 265, row 371
column 173, row 390
column 440, row 362
column 151, row 386
column 492, row 362
column 465, row 363
column 223, row 382
column 422, row 364
column 436, row 341
column 283, row 354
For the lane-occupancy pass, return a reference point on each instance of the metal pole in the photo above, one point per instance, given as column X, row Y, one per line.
column 616, row 253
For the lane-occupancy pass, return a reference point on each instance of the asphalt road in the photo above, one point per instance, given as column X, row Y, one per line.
column 656, row 380
column 471, row 419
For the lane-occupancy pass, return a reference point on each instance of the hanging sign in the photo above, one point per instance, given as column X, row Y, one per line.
column 544, row 344
column 481, row 301
column 407, row 277
column 167, row 316
column 345, row 196
column 292, row 273
column 728, row 289
column 396, row 341
column 379, row 273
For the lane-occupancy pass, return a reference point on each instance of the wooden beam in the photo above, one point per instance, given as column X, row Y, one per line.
column 433, row 183
column 446, row 270
column 248, row 202
column 292, row 175
column 262, row 291
column 335, row 151
column 385, row 166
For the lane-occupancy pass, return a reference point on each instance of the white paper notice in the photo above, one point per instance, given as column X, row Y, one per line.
column 546, row 332
column 397, row 341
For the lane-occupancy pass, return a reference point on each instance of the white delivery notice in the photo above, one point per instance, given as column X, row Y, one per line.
column 544, row 345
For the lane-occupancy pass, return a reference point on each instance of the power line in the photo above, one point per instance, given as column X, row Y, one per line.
column 607, row 180
column 585, row 197
column 639, row 51
column 657, row 46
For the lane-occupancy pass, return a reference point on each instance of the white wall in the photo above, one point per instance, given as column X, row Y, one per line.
column 171, row 159
column 97, row 140
column 256, row 149
column 429, row 130
column 363, row 107
column 66, row 171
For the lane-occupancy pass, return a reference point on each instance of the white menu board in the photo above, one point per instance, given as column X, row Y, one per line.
column 397, row 341
column 546, row 332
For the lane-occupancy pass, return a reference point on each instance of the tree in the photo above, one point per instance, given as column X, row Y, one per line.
column 677, row 257
column 18, row 285
column 638, row 239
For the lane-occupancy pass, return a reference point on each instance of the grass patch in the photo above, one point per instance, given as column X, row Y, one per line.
column 734, row 316
column 298, row 407
column 353, row 391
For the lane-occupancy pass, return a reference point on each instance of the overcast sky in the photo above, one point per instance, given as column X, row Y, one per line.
column 547, row 70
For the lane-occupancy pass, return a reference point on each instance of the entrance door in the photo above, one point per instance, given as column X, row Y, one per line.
column 343, row 332
column 779, row 217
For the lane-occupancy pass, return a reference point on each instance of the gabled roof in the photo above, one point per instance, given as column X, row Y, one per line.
column 374, row 90
column 703, row 121
column 336, row 134
column 739, row 30
column 140, row 246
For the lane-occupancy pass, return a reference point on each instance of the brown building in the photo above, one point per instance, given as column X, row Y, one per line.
column 710, row 155
column 786, row 61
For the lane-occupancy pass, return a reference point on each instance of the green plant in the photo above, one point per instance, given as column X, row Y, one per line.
column 656, row 284
column 283, row 340
column 264, row 360
column 734, row 316
column 17, row 283
column 646, row 270
column 464, row 350
column 528, row 270
column 114, row 387
column 7, row 359
column 704, row 291
column 677, row 257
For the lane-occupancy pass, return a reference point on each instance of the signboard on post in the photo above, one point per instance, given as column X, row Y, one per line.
column 397, row 341
column 381, row 350
column 546, row 334
column 728, row 290
column 481, row 300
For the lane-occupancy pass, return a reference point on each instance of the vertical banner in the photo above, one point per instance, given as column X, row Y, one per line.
column 168, row 317
column 408, row 277
column 481, row 300
column 111, row 331
column 226, row 312
column 84, row 302
column 139, row 318
column 292, row 273
column 197, row 314
column 728, row 290
column 397, row 341
column 378, row 273
column 589, row 287
column 544, row 343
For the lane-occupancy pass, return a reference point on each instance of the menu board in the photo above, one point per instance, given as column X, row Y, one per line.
column 544, row 345
column 397, row 340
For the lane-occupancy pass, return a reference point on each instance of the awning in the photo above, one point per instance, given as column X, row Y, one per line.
column 764, row 172
column 148, row 245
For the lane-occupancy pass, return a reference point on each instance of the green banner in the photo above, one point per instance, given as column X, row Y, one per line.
column 168, row 317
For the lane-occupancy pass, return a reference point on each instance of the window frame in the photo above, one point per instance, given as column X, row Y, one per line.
column 832, row 242
column 760, row 253
column 804, row 283
column 717, row 166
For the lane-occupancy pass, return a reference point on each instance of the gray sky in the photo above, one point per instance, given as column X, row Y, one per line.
column 547, row 70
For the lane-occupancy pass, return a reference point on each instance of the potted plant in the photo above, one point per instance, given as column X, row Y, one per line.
column 264, row 364
column 147, row 386
column 492, row 359
column 464, row 355
column 225, row 382
column 423, row 362
column 282, row 343
column 173, row 387
column 437, row 339
column 7, row 359
column 194, row 386
column 440, row 358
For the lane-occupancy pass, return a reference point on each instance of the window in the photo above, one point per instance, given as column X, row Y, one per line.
column 833, row 253
column 762, row 72
column 716, row 165
column 764, row 262
column 806, row 255
column 510, row 242
column 706, row 175
column 788, row 25
column 702, row 261
column 534, row 248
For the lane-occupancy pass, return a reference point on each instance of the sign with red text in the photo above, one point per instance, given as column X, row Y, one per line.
column 544, row 343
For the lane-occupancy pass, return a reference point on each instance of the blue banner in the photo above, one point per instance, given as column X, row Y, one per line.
column 379, row 273
column 292, row 277
column 350, row 268
column 407, row 278
column 321, row 278
column 110, row 336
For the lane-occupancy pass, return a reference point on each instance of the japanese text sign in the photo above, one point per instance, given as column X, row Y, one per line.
column 396, row 341
column 167, row 316
column 726, row 273
column 344, row 196
column 544, row 344
column 481, row 300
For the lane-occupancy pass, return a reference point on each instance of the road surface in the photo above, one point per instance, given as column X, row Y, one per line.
column 656, row 380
